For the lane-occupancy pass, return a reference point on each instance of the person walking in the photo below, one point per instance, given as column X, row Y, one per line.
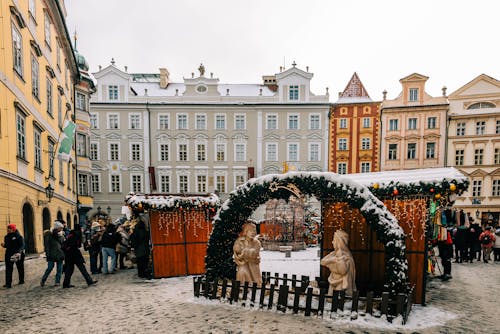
column 73, row 257
column 460, row 242
column 109, row 240
column 445, row 248
column 13, row 243
column 53, row 240
column 487, row 239
column 475, row 245
column 139, row 241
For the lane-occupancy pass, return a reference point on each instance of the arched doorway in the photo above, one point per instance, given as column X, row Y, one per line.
column 46, row 219
column 29, row 228
column 59, row 215
column 325, row 187
column 68, row 220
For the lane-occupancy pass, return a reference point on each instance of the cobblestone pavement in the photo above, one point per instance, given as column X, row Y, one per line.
column 122, row 303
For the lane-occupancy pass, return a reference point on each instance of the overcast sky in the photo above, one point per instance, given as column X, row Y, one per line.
column 450, row 41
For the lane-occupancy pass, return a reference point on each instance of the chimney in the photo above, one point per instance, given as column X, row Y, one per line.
column 164, row 78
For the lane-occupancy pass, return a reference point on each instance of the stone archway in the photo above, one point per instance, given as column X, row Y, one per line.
column 325, row 187
column 29, row 228
column 46, row 220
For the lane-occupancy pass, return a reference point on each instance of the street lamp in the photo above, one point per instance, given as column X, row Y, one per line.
column 49, row 192
column 99, row 209
column 477, row 213
column 108, row 209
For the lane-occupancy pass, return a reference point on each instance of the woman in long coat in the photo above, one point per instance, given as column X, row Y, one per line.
column 73, row 257
column 139, row 241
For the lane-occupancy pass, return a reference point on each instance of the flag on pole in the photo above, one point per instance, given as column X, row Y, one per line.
column 66, row 141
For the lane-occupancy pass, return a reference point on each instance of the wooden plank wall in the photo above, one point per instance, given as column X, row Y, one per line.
column 368, row 253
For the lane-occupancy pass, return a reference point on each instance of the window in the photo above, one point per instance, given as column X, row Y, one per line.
column 59, row 110
column 481, row 105
column 393, row 125
column 342, row 168
column 58, row 55
column 343, row 123
column 115, row 183
column 293, row 122
column 393, row 152
column 201, row 122
column 35, row 87
column 81, row 145
column 201, row 152
column 412, row 151
column 366, row 122
column 271, row 152
column 182, row 121
column 239, row 152
column 32, row 8
column 96, row 183
column 459, row 157
column 313, row 152
column 461, row 129
column 163, row 121
column 201, row 183
column 183, row 152
column 113, row 121
column 271, row 122
column 430, row 152
column 164, row 152
column 239, row 122
column 21, row 135
column 342, row 144
column 365, row 167
column 293, row 93
column 94, row 151
column 83, row 187
column 61, row 172
column 94, row 121
column 38, row 148
column 239, row 180
column 135, row 151
column 413, row 94
column 136, row 183
column 497, row 156
column 49, row 96
column 221, row 183
column 293, row 152
column 220, row 152
column 113, row 92
column 478, row 156
column 366, row 143
column 431, row 122
column 165, row 183
column 476, row 188
column 412, row 123
column 80, row 101
column 47, row 29
column 314, row 122
column 497, row 131
column 183, row 184
column 495, row 189
column 114, row 151
column 220, row 122
column 135, row 121
column 480, row 127
column 50, row 153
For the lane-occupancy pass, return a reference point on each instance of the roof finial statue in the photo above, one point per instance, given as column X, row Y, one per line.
column 113, row 61
column 202, row 70
column 294, row 63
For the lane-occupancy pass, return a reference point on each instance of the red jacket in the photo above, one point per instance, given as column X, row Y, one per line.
column 492, row 239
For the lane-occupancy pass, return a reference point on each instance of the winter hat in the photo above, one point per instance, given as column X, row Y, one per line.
column 57, row 225
column 12, row 227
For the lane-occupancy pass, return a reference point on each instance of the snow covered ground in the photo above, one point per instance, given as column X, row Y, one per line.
column 122, row 303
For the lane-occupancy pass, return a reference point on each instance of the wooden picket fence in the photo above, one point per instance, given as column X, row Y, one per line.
column 297, row 295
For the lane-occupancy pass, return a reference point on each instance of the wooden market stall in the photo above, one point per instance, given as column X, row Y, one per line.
column 411, row 196
column 179, row 227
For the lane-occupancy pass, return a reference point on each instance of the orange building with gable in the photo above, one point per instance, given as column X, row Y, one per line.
column 354, row 122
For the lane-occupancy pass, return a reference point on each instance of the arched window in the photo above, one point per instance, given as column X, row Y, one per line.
column 481, row 105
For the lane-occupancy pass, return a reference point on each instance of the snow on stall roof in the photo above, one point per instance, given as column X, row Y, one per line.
column 171, row 201
column 412, row 176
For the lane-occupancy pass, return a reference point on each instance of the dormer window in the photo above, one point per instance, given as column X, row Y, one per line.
column 293, row 93
column 413, row 95
column 113, row 92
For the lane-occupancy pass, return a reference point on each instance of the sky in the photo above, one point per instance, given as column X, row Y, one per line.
column 450, row 41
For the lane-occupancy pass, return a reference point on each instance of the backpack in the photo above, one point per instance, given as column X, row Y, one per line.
column 486, row 239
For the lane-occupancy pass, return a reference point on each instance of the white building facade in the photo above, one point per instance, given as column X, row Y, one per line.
column 150, row 135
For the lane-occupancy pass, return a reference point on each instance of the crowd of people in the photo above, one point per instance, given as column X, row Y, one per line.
column 109, row 245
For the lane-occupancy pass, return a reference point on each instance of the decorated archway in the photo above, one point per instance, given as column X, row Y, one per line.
column 246, row 198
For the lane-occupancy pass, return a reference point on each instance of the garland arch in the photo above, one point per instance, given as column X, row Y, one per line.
column 324, row 186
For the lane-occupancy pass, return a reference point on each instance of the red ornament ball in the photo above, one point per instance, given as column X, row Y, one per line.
column 395, row 192
column 431, row 190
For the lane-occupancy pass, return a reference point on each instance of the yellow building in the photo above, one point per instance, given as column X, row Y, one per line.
column 37, row 74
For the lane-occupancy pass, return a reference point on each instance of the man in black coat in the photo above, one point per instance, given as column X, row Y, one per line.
column 14, row 244
column 139, row 241
column 73, row 257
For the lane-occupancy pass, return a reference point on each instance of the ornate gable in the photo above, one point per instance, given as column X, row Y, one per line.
column 482, row 84
column 355, row 88
column 414, row 77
